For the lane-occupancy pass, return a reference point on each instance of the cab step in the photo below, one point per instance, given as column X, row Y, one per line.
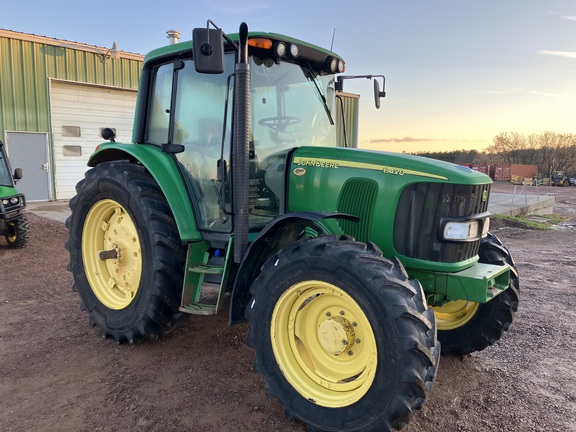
column 200, row 296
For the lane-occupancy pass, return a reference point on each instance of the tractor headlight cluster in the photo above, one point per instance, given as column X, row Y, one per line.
column 334, row 65
column 13, row 200
column 469, row 230
column 279, row 49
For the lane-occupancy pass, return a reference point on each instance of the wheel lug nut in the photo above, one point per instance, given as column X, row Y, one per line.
column 358, row 340
column 328, row 314
column 341, row 312
column 350, row 353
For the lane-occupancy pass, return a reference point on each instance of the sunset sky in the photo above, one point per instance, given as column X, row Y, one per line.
column 458, row 72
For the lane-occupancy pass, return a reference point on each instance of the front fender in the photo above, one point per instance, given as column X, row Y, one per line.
column 279, row 233
column 164, row 168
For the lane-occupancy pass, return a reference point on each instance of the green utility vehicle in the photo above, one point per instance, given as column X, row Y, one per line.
column 13, row 221
column 346, row 263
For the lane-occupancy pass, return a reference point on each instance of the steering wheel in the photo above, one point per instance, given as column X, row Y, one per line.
column 279, row 123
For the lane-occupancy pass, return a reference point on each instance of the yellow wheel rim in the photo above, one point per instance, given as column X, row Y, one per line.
column 11, row 229
column 454, row 314
column 109, row 228
column 324, row 344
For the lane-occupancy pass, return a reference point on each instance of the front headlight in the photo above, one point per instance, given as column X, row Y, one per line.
column 486, row 227
column 462, row 231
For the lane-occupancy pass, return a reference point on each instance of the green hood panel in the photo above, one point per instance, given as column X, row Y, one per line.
column 7, row 191
column 369, row 184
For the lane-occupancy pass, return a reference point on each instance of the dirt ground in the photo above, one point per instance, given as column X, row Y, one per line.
column 58, row 374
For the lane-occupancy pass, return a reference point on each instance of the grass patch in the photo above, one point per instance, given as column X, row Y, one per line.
column 538, row 222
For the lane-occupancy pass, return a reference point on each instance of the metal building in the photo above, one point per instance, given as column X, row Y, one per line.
column 55, row 98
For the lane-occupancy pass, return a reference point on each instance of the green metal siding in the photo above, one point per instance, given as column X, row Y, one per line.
column 350, row 104
column 26, row 68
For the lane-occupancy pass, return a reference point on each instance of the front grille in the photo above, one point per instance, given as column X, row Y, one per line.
column 420, row 210
column 9, row 211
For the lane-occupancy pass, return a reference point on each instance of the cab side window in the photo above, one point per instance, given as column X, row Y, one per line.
column 157, row 125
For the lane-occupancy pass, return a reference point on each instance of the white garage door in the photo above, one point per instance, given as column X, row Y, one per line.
column 79, row 112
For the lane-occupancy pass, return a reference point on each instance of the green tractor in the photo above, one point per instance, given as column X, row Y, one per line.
column 351, row 266
column 13, row 220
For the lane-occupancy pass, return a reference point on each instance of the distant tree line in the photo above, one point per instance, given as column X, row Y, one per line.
column 550, row 151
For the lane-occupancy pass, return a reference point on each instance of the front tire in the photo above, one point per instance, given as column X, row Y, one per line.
column 465, row 327
column 343, row 339
column 18, row 232
column 133, row 292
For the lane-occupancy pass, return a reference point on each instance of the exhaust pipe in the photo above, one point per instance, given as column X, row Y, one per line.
column 173, row 36
column 241, row 143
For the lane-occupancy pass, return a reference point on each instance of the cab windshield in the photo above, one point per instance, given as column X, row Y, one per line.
column 291, row 107
column 5, row 175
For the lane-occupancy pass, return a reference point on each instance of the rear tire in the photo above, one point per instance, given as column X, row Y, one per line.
column 343, row 339
column 465, row 327
column 18, row 232
column 136, row 294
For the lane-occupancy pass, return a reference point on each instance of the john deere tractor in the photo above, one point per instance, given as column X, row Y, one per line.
column 351, row 266
column 13, row 220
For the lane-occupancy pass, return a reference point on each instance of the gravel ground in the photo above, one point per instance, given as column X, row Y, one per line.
column 57, row 374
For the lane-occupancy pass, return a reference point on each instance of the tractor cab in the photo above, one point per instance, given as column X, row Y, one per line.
column 188, row 110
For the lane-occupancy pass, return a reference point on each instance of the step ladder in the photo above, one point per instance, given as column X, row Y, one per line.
column 198, row 296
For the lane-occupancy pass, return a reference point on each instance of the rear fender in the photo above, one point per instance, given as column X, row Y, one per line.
column 278, row 234
column 164, row 168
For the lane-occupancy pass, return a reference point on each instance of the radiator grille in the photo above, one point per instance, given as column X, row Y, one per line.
column 420, row 209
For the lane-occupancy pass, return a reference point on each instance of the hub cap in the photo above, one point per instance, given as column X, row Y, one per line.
column 324, row 344
column 115, row 280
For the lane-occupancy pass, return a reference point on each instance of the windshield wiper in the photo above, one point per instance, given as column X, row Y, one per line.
column 311, row 77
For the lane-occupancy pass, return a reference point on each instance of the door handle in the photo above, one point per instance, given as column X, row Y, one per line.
column 45, row 166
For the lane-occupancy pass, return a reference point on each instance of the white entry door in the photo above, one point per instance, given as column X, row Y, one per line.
column 29, row 151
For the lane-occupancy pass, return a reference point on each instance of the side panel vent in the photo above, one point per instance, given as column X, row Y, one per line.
column 358, row 198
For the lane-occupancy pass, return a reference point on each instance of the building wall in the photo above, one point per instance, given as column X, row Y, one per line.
column 27, row 62
column 347, row 109
column 29, row 66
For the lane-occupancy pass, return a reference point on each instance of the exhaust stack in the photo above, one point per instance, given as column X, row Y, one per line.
column 173, row 36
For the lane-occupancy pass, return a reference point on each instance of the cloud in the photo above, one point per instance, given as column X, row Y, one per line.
column 500, row 91
column 520, row 91
column 553, row 95
column 569, row 18
column 419, row 140
column 568, row 54
column 402, row 140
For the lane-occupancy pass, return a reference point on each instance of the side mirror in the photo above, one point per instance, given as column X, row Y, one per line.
column 208, row 50
column 17, row 173
column 377, row 93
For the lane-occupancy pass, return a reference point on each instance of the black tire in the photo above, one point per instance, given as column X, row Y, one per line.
column 152, row 256
column 18, row 232
column 332, row 281
column 488, row 321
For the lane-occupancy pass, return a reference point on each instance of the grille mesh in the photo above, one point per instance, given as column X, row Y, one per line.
column 420, row 210
column 358, row 198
